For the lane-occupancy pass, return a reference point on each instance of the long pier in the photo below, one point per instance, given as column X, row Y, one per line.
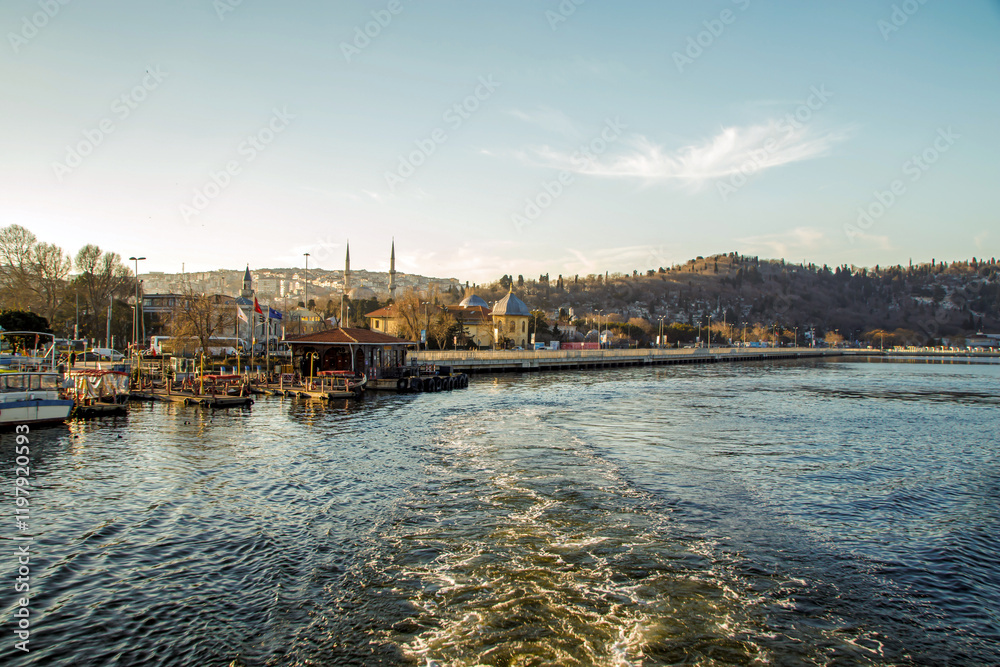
column 503, row 361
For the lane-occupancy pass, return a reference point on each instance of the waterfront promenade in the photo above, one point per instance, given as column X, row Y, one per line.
column 488, row 361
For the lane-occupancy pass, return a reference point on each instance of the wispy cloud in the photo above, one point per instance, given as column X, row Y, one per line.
column 765, row 146
column 551, row 120
column 791, row 243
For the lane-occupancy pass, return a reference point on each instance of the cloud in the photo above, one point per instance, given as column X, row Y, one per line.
column 791, row 243
column 734, row 148
column 551, row 120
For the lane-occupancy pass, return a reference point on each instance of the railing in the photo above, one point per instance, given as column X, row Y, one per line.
column 538, row 355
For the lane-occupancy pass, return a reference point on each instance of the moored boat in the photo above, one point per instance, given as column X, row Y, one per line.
column 31, row 387
column 98, row 392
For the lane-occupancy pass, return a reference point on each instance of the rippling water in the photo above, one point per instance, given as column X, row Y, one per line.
column 792, row 513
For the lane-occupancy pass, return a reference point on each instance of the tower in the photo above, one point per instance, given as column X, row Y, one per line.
column 392, row 272
column 347, row 269
column 247, row 291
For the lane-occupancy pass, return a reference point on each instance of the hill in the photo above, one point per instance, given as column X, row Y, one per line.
column 925, row 302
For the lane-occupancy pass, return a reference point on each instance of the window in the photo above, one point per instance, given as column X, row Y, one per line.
column 524, row 327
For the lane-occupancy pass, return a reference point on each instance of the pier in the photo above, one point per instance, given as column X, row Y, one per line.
column 502, row 361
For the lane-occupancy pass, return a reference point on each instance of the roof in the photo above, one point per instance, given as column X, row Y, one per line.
column 511, row 305
column 362, row 292
column 469, row 313
column 347, row 336
column 388, row 311
column 474, row 300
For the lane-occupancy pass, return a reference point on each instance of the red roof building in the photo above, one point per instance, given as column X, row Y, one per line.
column 349, row 349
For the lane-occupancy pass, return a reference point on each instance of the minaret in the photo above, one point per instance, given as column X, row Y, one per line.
column 247, row 291
column 392, row 272
column 347, row 270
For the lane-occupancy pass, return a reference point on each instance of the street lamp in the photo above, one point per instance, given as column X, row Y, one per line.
column 306, row 302
column 600, row 343
column 135, row 314
column 427, row 319
column 796, row 342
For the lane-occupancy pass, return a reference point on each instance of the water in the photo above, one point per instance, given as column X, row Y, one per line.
column 823, row 512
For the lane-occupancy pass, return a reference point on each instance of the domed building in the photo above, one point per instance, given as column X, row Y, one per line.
column 510, row 317
column 362, row 293
column 473, row 301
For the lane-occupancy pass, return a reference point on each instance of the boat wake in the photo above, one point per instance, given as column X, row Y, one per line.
column 531, row 550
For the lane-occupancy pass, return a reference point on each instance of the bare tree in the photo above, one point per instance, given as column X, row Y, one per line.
column 102, row 278
column 443, row 327
column 200, row 317
column 50, row 269
column 32, row 274
column 410, row 313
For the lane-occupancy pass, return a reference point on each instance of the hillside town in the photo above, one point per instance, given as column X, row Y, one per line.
column 721, row 299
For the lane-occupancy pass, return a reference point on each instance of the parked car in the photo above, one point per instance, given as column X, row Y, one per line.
column 108, row 354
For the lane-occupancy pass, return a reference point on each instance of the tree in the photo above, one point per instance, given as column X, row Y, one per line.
column 23, row 320
column 33, row 274
column 833, row 338
column 443, row 329
column 410, row 313
column 16, row 244
column 102, row 278
column 200, row 317
column 50, row 269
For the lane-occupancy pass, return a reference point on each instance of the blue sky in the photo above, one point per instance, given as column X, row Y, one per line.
column 489, row 138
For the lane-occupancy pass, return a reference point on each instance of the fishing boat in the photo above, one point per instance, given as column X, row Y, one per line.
column 98, row 392
column 32, row 387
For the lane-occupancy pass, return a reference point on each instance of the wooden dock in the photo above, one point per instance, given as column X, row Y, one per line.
column 187, row 398
column 504, row 361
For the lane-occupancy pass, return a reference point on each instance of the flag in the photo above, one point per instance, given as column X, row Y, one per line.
column 240, row 314
column 273, row 314
column 256, row 307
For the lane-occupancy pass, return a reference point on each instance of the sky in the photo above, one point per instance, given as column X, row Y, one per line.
column 491, row 138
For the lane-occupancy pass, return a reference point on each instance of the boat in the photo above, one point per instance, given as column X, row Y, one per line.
column 98, row 392
column 32, row 387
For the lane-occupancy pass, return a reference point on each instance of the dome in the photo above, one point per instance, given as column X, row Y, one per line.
column 362, row 293
column 472, row 301
column 511, row 305
column 592, row 336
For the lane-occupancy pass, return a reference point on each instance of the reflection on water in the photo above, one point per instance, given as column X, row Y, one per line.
column 813, row 513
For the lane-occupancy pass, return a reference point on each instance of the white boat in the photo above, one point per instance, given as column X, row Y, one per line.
column 31, row 388
column 32, row 397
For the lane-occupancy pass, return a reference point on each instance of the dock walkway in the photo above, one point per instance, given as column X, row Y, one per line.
column 487, row 361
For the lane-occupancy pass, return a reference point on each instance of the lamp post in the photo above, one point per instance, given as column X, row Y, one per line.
column 796, row 342
column 427, row 320
column 135, row 314
column 306, row 302
column 600, row 343
column 709, row 332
